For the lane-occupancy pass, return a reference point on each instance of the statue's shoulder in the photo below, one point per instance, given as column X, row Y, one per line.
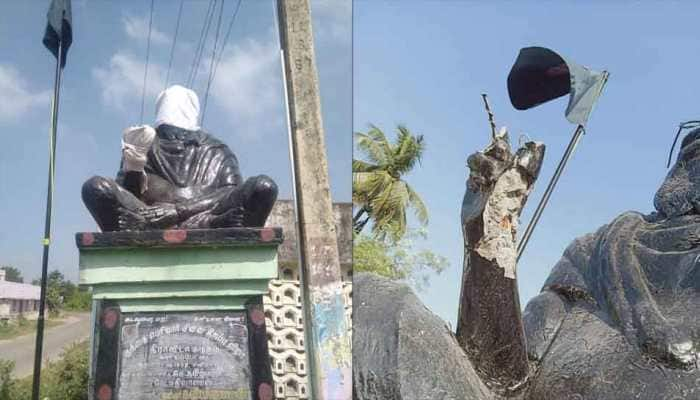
column 582, row 246
column 205, row 138
column 569, row 276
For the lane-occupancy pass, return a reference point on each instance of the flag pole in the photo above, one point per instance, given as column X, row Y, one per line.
column 578, row 133
column 47, row 227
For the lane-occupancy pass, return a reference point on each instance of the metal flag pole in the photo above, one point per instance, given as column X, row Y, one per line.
column 47, row 227
column 578, row 133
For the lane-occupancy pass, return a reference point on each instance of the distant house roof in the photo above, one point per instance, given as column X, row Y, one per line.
column 19, row 291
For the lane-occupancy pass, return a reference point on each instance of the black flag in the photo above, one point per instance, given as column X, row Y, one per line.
column 59, row 29
column 540, row 75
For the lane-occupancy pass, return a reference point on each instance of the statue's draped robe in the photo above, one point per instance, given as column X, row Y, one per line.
column 199, row 165
column 201, row 161
column 618, row 316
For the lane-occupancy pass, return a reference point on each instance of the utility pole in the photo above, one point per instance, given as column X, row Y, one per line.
column 328, row 338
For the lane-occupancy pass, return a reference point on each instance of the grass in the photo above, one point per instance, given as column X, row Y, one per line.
column 22, row 326
column 63, row 379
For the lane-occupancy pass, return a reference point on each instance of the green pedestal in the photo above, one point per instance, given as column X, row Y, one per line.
column 178, row 278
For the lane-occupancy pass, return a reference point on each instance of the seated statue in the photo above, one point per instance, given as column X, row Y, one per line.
column 177, row 176
column 617, row 317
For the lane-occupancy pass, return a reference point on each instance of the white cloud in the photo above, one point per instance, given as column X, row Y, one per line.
column 332, row 20
column 15, row 97
column 122, row 81
column 137, row 28
column 247, row 88
column 247, row 85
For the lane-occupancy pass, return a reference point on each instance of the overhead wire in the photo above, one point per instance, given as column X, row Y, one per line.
column 228, row 33
column 172, row 48
column 213, row 59
column 199, row 42
column 202, row 43
column 148, row 53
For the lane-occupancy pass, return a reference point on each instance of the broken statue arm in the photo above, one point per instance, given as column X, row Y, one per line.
column 490, row 326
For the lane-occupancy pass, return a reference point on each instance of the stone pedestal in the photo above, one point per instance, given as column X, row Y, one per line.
column 178, row 314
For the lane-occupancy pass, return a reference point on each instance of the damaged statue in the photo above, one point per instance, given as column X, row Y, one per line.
column 176, row 175
column 616, row 319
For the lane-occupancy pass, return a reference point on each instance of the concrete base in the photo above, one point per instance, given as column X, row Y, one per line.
column 178, row 275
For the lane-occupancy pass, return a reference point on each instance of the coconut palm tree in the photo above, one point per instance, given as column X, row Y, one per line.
column 378, row 191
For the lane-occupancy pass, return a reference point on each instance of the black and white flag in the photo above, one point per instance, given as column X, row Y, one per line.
column 59, row 29
column 540, row 75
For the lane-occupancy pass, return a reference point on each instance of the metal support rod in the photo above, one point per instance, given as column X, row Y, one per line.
column 490, row 114
column 550, row 188
column 292, row 153
column 38, row 349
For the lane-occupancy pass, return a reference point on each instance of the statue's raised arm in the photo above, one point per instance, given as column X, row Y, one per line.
column 489, row 326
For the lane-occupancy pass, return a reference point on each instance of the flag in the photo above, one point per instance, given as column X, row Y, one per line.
column 59, row 29
column 586, row 87
column 540, row 75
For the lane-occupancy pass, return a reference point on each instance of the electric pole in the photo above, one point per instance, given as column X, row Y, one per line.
column 328, row 338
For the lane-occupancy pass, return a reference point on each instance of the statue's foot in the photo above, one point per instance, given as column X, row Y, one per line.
column 259, row 196
column 670, row 346
column 683, row 352
column 233, row 218
column 248, row 205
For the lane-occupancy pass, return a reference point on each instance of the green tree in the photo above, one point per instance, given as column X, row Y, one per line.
column 12, row 274
column 55, row 292
column 53, row 300
column 56, row 278
column 378, row 190
column 77, row 299
column 64, row 294
column 398, row 260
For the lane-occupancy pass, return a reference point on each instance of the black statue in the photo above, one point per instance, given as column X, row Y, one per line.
column 177, row 176
column 616, row 319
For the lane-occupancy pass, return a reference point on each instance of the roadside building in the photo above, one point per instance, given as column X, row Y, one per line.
column 18, row 299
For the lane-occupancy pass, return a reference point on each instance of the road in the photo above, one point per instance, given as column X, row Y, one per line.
column 21, row 349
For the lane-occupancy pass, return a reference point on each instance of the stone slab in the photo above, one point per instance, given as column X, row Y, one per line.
column 181, row 355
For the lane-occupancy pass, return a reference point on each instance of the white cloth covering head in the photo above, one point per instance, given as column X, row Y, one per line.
column 178, row 106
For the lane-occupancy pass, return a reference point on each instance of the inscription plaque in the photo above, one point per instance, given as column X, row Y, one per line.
column 184, row 356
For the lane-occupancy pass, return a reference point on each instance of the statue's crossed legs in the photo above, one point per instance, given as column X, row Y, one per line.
column 116, row 209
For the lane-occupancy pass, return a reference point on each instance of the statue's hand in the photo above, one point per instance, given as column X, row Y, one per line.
column 518, row 171
column 136, row 141
column 130, row 221
column 485, row 167
column 162, row 215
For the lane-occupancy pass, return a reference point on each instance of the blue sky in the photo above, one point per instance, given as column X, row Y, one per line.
column 101, row 96
column 425, row 64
